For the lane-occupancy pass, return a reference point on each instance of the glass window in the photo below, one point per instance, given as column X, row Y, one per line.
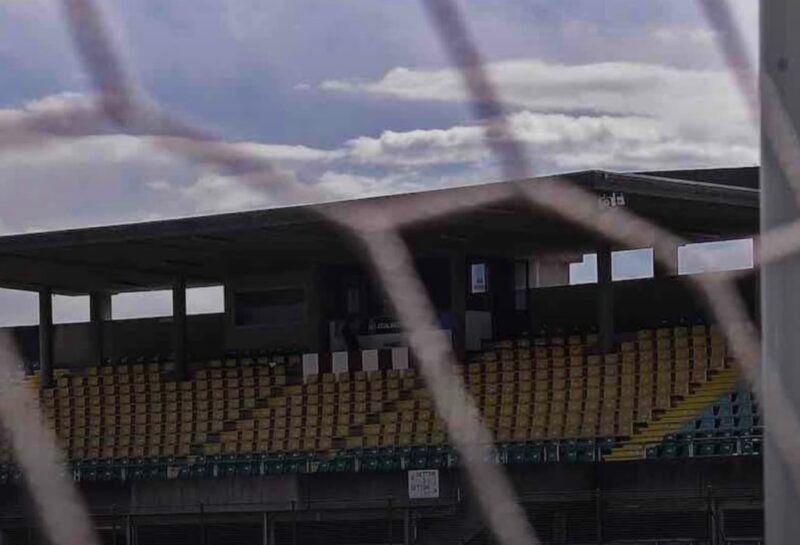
column 208, row 300
column 725, row 255
column 141, row 304
column 70, row 309
column 584, row 272
column 632, row 264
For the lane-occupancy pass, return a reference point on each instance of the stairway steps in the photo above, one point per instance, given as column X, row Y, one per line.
column 672, row 420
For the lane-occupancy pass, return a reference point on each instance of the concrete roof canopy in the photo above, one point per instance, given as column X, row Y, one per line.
column 699, row 205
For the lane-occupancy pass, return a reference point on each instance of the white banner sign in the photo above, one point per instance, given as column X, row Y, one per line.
column 423, row 483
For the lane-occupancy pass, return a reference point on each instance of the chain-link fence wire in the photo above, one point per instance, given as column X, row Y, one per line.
column 122, row 106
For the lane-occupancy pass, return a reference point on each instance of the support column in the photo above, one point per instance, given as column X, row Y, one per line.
column 780, row 288
column 99, row 313
column 458, row 304
column 665, row 262
column 551, row 270
column 46, row 336
column 179, row 325
column 318, row 340
column 605, row 300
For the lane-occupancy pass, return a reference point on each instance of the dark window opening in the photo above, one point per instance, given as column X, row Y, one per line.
column 270, row 308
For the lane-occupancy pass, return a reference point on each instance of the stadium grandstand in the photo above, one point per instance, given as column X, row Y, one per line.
column 297, row 415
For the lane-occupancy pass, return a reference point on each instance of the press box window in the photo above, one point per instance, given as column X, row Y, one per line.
column 270, row 308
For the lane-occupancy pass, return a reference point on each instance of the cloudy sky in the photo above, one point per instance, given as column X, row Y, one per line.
column 356, row 98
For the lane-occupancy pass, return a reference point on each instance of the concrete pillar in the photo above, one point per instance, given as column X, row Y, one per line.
column 458, row 303
column 605, row 300
column 665, row 262
column 780, row 288
column 318, row 337
column 179, row 325
column 547, row 271
column 99, row 313
column 46, row 336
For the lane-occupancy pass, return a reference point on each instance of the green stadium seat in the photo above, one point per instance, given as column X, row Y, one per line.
column 551, row 452
column 706, row 448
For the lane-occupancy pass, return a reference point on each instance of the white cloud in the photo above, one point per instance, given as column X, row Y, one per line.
column 560, row 142
column 460, row 144
column 602, row 115
column 112, row 178
column 343, row 185
column 158, row 185
column 286, row 154
column 701, row 100
column 215, row 193
column 685, row 36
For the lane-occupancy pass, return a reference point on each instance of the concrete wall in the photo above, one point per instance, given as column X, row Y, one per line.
column 309, row 334
column 740, row 477
column 224, row 494
column 146, row 337
column 637, row 304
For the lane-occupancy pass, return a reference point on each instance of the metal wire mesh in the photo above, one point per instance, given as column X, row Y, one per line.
column 124, row 106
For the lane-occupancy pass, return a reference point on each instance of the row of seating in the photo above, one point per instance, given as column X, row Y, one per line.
column 590, row 339
column 730, row 426
column 527, row 391
column 351, row 460
column 708, row 444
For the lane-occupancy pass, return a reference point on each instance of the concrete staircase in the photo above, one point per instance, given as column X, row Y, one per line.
column 673, row 419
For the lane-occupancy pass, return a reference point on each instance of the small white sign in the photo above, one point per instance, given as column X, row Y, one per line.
column 611, row 201
column 478, row 283
column 423, row 483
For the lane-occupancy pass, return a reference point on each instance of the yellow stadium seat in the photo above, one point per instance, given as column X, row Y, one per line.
column 627, row 383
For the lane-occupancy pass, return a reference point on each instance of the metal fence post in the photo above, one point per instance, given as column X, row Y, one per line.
column 265, row 529
column 294, row 523
column 114, row 524
column 203, row 537
column 780, row 296
column 407, row 537
column 130, row 531
column 389, row 537
column 711, row 524
column 598, row 506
